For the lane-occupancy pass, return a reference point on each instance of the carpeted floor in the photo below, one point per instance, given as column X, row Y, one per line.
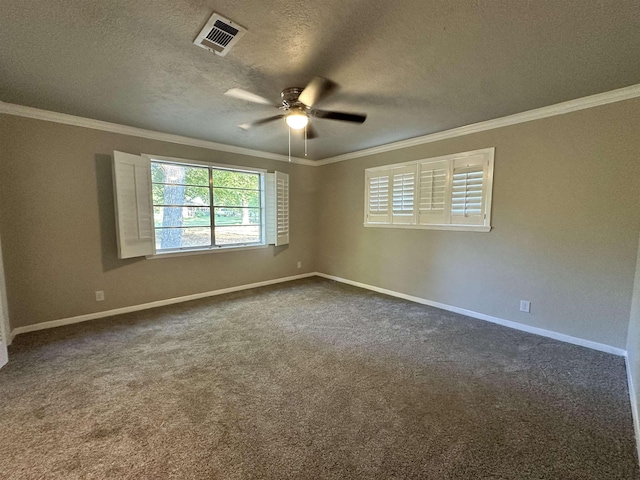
column 309, row 380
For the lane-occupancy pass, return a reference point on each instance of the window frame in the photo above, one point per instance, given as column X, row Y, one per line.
column 213, row 248
column 451, row 161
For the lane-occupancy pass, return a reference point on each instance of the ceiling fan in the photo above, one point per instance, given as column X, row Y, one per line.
column 298, row 106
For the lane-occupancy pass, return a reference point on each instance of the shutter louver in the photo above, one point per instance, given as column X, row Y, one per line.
column 277, row 208
column 403, row 189
column 282, row 208
column 432, row 187
column 432, row 193
column 379, row 195
column 466, row 197
column 403, row 195
column 377, row 199
column 467, row 191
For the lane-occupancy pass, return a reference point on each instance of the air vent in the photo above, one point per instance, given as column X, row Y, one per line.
column 219, row 35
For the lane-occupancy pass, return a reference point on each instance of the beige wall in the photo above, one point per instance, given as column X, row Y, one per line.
column 565, row 217
column 566, row 221
column 58, row 227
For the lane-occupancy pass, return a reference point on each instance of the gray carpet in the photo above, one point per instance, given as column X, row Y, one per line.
column 309, row 380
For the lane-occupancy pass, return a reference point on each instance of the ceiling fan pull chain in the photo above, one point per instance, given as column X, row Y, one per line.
column 289, row 130
column 305, row 140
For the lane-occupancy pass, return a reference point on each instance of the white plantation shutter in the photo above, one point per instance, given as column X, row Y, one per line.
column 282, row 211
column 277, row 208
column 403, row 193
column 450, row 192
column 433, row 202
column 468, row 186
column 377, row 198
column 270, row 207
column 134, row 215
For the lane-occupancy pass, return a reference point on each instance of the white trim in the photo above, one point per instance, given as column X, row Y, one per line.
column 459, row 228
column 5, row 324
column 201, row 251
column 583, row 103
column 635, row 414
column 442, row 158
column 198, row 163
column 469, row 313
column 46, row 115
column 145, row 306
column 481, row 316
column 605, row 98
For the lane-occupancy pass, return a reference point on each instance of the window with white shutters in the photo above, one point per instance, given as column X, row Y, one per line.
column 170, row 206
column 449, row 192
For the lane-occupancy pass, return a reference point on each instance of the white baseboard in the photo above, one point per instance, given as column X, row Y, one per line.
column 634, row 404
column 469, row 313
column 145, row 306
column 481, row 316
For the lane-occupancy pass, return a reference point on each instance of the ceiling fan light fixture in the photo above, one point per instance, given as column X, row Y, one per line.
column 297, row 120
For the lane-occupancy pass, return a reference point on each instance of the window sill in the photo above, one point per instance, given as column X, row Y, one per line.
column 458, row 228
column 201, row 251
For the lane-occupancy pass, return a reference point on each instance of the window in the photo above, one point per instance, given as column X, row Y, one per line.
column 451, row 192
column 170, row 206
column 196, row 206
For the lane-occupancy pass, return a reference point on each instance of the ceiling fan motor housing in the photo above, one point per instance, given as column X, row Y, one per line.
column 290, row 98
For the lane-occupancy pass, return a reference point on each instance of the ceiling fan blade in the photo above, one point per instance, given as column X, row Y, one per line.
column 311, row 132
column 248, row 96
column 345, row 117
column 317, row 89
column 257, row 123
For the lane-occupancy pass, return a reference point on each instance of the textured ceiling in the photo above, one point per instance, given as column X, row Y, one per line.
column 414, row 66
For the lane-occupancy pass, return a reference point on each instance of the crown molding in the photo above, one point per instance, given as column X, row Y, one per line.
column 49, row 116
column 583, row 103
column 612, row 96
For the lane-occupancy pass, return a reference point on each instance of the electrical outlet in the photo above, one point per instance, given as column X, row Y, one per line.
column 299, row 264
column 99, row 295
column 525, row 306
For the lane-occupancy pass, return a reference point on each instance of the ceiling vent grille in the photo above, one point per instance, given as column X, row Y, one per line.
column 219, row 35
